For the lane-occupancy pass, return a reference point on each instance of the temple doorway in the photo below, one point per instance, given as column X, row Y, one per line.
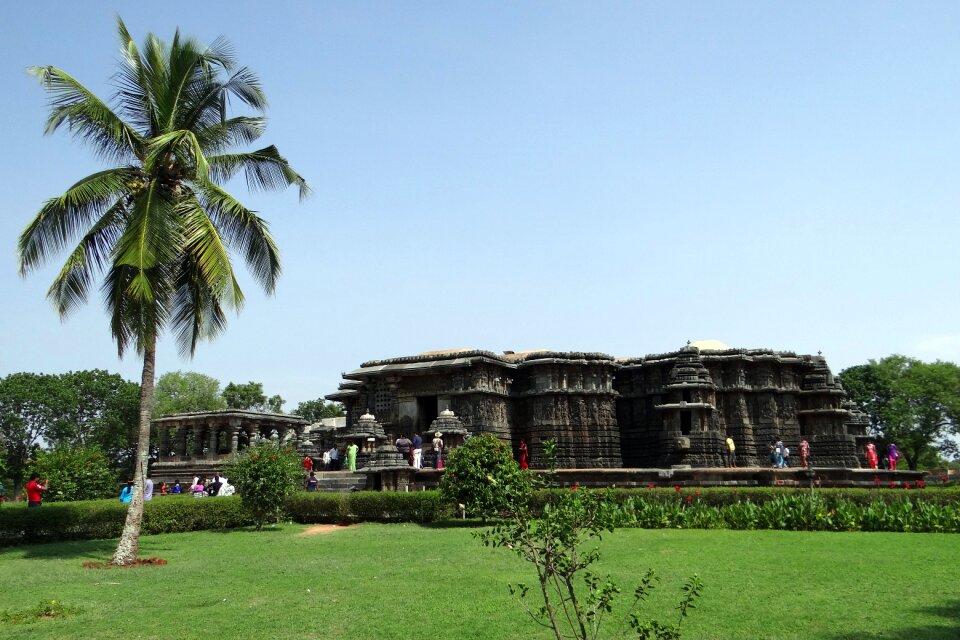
column 427, row 412
column 685, row 422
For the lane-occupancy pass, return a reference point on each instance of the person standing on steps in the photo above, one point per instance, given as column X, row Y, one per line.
column 404, row 446
column 872, row 459
column 731, row 452
column 352, row 457
column 438, row 448
column 804, row 453
column 894, row 454
column 334, row 458
column 417, row 451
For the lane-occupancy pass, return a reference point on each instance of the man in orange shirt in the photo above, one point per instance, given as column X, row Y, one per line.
column 35, row 491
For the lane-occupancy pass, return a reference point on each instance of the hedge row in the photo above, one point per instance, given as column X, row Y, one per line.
column 721, row 496
column 104, row 518
column 744, row 508
column 173, row 514
column 368, row 506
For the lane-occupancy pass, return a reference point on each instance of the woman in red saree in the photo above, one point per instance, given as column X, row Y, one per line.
column 523, row 454
column 872, row 455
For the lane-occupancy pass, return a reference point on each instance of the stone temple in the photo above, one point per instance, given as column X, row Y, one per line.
column 658, row 411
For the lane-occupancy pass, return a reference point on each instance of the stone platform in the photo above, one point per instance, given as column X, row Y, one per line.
column 715, row 477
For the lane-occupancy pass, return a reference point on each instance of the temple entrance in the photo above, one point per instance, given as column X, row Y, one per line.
column 685, row 422
column 427, row 412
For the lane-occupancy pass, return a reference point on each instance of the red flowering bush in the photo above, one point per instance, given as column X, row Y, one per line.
column 264, row 476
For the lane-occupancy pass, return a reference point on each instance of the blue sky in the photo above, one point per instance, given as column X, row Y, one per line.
column 615, row 176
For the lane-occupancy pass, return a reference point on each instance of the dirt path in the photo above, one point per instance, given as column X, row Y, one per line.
column 321, row 529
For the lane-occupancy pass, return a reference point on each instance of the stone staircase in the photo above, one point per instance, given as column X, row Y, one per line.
column 341, row 481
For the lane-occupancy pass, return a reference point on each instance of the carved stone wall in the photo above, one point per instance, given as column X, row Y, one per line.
column 660, row 410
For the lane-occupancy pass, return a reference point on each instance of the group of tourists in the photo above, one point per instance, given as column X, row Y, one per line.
column 888, row 461
column 412, row 449
column 780, row 454
column 330, row 461
column 200, row 487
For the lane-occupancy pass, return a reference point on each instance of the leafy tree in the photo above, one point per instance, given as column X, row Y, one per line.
column 186, row 391
column 103, row 414
column 75, row 473
column 32, row 405
column 909, row 402
column 251, row 396
column 264, row 475
column 482, row 476
column 315, row 410
column 157, row 224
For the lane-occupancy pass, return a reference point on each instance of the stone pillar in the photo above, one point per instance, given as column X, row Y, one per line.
column 213, row 430
column 163, row 440
column 234, row 436
column 180, row 440
column 198, row 440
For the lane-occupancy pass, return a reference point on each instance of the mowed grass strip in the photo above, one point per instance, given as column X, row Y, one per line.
column 403, row 581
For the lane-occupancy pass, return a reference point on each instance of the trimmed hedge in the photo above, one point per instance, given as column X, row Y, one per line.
column 721, row 496
column 927, row 510
column 368, row 506
column 93, row 519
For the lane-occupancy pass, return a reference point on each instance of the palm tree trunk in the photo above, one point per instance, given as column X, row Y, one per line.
column 126, row 552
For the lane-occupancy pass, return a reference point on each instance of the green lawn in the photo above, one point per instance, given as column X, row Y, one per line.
column 405, row 581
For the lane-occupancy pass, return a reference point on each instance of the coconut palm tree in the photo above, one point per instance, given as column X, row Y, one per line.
column 157, row 226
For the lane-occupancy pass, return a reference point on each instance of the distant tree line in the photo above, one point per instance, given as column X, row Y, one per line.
column 912, row 403
column 81, row 427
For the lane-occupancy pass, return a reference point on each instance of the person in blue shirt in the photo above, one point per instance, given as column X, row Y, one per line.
column 126, row 494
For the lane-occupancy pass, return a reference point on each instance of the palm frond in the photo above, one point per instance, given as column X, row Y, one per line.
column 181, row 145
column 197, row 311
column 151, row 238
column 86, row 116
column 225, row 134
column 245, row 85
column 244, row 231
column 207, row 250
column 62, row 219
column 134, row 95
column 265, row 169
column 133, row 321
column 87, row 261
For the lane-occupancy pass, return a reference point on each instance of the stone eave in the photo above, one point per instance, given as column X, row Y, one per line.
column 423, row 367
column 684, row 405
column 228, row 414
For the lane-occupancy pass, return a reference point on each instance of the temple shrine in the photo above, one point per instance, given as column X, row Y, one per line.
column 616, row 421
column 659, row 411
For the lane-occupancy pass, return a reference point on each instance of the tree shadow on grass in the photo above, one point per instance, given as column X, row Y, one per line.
column 949, row 611
column 85, row 549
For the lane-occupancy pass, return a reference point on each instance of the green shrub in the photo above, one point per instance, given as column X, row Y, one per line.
column 95, row 519
column 317, row 507
column 368, row 506
column 482, row 476
column 264, row 475
column 75, row 473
